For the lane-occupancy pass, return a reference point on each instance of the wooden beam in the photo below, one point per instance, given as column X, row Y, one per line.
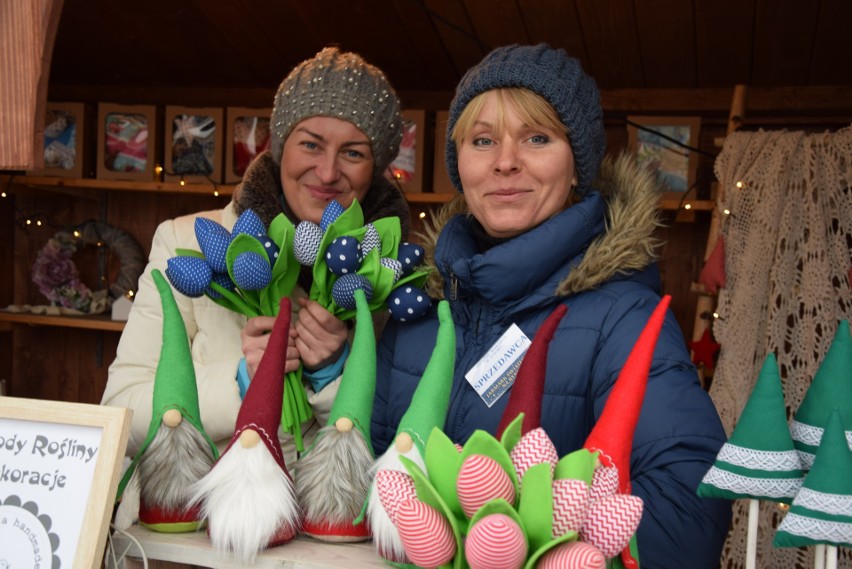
column 27, row 32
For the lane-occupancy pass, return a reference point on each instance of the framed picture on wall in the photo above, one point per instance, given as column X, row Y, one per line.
column 407, row 168
column 64, row 146
column 127, row 137
column 193, row 145
column 660, row 144
column 440, row 179
column 247, row 135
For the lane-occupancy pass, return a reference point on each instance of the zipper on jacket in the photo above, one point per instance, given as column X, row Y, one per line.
column 454, row 284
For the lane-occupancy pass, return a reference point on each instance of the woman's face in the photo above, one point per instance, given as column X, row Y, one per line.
column 515, row 179
column 325, row 159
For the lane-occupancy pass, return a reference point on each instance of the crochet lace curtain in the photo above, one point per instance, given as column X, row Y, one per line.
column 787, row 258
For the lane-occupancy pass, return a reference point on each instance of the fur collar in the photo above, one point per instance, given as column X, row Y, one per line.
column 628, row 243
column 261, row 191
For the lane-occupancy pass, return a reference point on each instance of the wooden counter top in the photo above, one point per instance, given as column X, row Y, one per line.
column 186, row 550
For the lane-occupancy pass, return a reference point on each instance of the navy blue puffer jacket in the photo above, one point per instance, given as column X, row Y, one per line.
column 595, row 258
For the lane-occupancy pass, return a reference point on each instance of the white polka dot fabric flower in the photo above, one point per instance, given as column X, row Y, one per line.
column 343, row 256
column 408, row 303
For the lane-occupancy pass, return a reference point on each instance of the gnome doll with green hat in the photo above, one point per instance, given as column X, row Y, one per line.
column 427, row 410
column 248, row 497
column 333, row 476
column 759, row 461
column 830, row 388
column 821, row 513
column 176, row 452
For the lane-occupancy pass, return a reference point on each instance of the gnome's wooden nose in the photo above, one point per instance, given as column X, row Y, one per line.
column 403, row 443
column 344, row 425
column 249, row 438
column 172, row 418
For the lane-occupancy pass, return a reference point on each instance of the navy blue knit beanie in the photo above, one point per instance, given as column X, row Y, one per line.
column 556, row 77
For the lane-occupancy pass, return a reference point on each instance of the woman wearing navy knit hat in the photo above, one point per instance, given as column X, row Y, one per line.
column 543, row 219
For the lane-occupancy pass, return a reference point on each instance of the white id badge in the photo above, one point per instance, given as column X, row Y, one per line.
column 495, row 372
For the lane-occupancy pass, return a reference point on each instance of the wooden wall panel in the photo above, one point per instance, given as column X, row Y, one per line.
column 611, row 40
column 667, row 42
column 783, row 41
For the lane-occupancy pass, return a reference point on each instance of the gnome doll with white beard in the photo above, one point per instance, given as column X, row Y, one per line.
column 176, row 452
column 248, row 497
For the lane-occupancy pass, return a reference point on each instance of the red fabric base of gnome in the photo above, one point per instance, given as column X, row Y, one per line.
column 341, row 533
column 169, row 521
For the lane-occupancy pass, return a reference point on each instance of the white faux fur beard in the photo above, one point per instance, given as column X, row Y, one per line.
column 333, row 478
column 247, row 498
column 176, row 459
column 385, row 535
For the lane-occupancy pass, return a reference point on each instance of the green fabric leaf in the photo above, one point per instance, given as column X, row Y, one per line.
column 416, row 278
column 536, row 505
column 443, row 462
column 286, row 269
column 578, row 465
column 427, row 494
column 295, row 408
column 391, row 233
column 481, row 442
column 189, row 253
column 512, row 433
column 533, row 559
column 498, row 506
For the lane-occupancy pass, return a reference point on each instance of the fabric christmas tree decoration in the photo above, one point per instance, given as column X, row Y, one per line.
column 333, row 477
column 821, row 513
column 248, row 497
column 427, row 411
column 830, row 388
column 177, row 452
column 759, row 461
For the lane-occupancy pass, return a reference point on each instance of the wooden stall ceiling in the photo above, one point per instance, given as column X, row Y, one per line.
column 140, row 50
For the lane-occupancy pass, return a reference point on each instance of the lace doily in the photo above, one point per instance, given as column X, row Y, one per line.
column 787, row 265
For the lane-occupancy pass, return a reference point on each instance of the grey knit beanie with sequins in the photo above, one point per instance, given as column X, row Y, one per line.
column 343, row 86
column 556, row 77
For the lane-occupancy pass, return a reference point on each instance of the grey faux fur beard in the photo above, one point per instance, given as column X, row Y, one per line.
column 176, row 458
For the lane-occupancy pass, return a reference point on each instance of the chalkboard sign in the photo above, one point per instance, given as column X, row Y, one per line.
column 59, row 470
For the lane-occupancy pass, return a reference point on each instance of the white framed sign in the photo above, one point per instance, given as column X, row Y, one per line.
column 59, row 469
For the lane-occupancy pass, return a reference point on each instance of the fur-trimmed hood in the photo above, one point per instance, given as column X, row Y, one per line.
column 626, row 244
column 261, row 191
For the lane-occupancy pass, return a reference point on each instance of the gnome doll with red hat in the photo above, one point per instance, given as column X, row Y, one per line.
column 248, row 497
column 333, row 476
column 177, row 452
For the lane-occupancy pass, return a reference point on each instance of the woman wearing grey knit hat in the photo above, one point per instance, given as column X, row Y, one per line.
column 543, row 219
column 336, row 125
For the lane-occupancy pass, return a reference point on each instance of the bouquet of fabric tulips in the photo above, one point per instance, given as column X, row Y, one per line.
column 250, row 268
column 347, row 255
column 509, row 503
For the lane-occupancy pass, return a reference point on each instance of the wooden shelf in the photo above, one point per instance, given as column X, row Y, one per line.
column 425, row 198
column 51, row 182
column 97, row 322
